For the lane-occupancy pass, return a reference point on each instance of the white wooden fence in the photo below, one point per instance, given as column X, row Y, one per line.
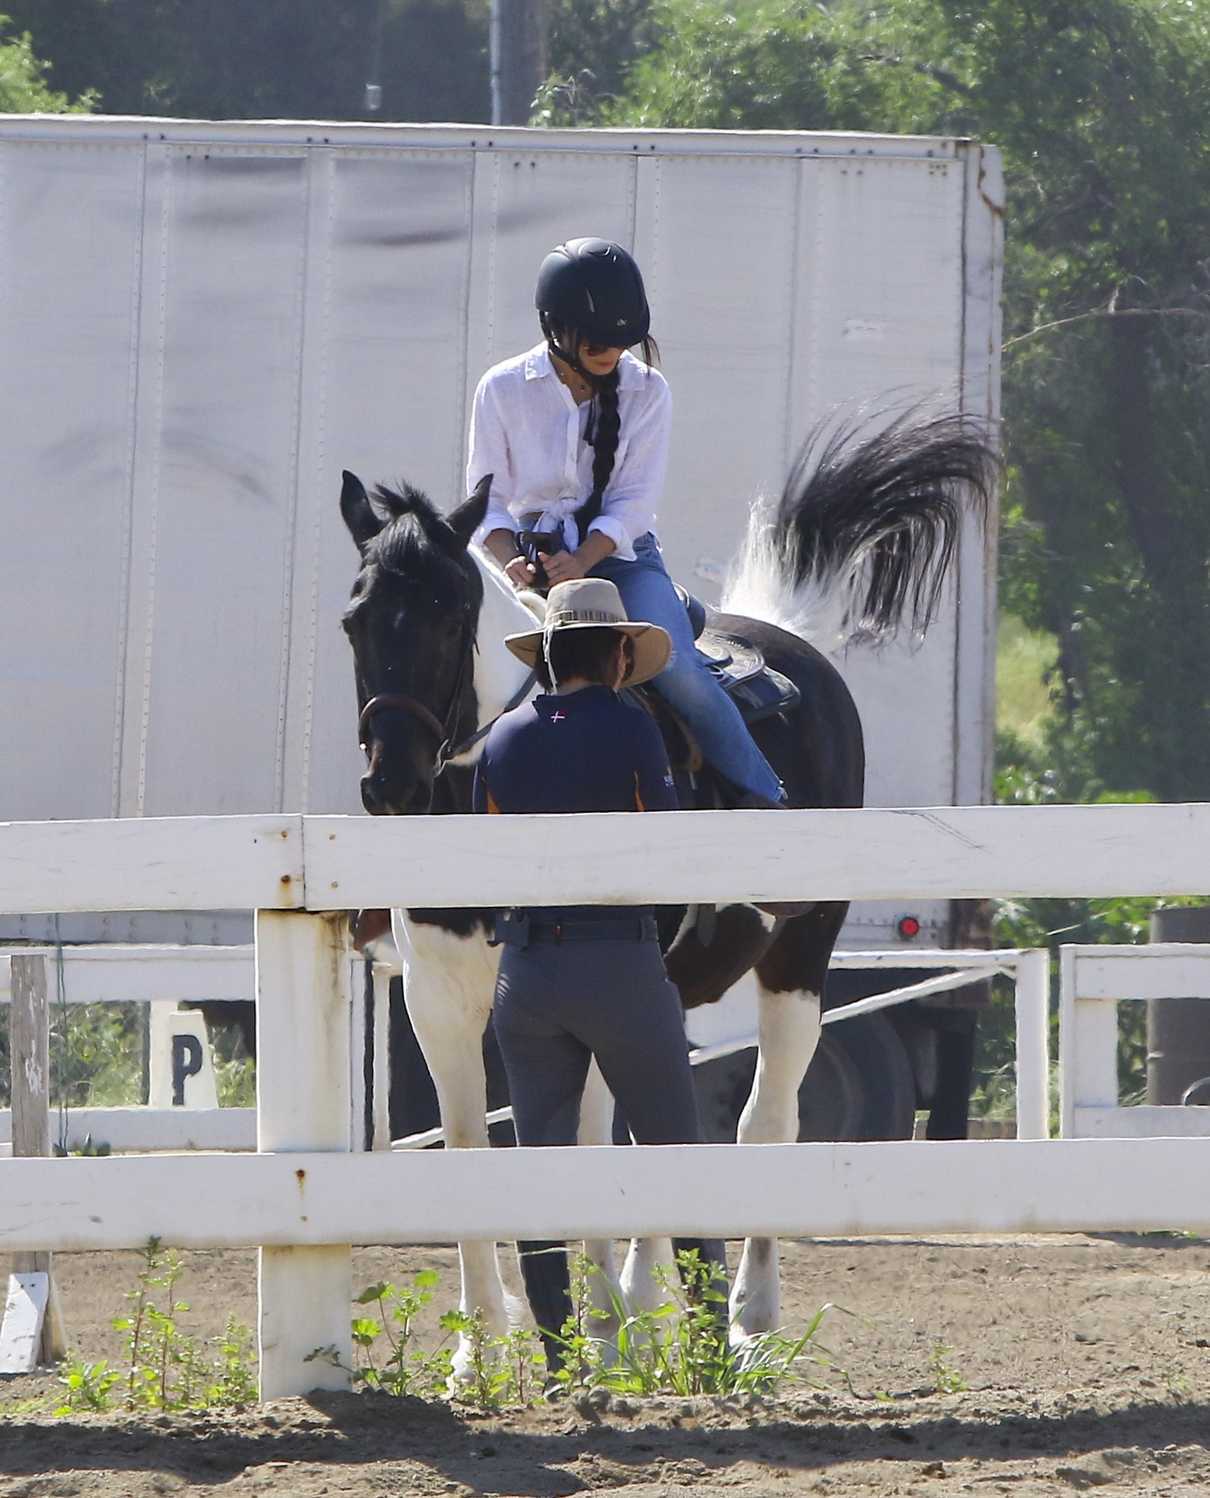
column 168, row 974
column 171, row 974
column 1092, row 981
column 304, row 1206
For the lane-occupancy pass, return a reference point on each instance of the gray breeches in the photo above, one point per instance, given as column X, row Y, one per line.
column 556, row 1007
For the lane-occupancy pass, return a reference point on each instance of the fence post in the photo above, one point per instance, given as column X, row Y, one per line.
column 304, row 1002
column 29, row 1059
column 1033, row 1044
column 1067, row 1036
column 382, row 1057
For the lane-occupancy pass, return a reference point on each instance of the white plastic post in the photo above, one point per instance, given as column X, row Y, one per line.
column 1033, row 1044
column 358, row 1043
column 304, row 1002
column 1067, row 1042
column 382, row 1057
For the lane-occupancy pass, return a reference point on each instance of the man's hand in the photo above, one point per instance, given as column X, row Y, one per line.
column 562, row 566
column 520, row 573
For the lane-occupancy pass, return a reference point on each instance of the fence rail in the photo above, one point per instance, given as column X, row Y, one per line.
column 723, row 1190
column 323, row 863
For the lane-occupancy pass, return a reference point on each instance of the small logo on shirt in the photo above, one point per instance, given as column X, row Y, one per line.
column 668, row 781
column 558, row 717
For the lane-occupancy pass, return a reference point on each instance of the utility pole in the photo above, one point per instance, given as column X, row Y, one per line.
column 373, row 93
column 518, row 58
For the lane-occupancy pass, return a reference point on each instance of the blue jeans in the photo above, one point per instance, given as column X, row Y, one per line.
column 685, row 683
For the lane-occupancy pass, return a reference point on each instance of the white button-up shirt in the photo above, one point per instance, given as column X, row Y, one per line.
column 528, row 432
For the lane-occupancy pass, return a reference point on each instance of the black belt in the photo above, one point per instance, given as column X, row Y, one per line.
column 519, row 931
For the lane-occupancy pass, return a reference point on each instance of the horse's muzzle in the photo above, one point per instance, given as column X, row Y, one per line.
column 382, row 799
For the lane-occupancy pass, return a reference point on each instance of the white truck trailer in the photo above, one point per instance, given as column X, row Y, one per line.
column 201, row 324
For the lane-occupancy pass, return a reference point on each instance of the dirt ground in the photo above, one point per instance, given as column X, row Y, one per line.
column 1072, row 1364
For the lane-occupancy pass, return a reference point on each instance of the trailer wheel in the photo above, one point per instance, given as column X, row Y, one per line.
column 859, row 1086
column 832, row 1100
column 873, row 1047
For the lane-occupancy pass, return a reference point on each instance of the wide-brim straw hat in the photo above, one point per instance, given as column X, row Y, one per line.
column 595, row 603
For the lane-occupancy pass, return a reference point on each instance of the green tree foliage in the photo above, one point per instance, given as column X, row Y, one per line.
column 590, row 46
column 1101, row 108
column 23, row 85
column 232, row 59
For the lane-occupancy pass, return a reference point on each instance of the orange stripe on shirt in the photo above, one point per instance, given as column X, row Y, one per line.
column 493, row 809
column 638, row 798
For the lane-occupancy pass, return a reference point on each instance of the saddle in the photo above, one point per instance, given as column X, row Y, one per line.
column 740, row 668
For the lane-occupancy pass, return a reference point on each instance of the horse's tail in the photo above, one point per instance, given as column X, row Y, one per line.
column 865, row 529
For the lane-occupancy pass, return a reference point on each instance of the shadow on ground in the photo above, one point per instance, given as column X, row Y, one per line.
column 528, row 1454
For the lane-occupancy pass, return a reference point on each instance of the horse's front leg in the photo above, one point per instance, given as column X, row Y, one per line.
column 448, row 982
column 789, row 992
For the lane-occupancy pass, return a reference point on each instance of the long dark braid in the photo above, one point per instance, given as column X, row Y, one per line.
column 606, row 425
column 604, row 419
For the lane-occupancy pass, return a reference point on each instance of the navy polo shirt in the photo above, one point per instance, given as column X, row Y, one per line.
column 585, row 751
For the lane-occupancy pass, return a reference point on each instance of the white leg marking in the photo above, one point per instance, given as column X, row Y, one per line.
column 448, row 982
column 641, row 1277
column 788, row 1032
column 604, row 1292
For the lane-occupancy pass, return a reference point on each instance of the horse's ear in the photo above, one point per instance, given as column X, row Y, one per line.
column 359, row 515
column 468, row 517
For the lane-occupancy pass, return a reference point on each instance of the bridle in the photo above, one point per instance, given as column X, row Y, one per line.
column 442, row 729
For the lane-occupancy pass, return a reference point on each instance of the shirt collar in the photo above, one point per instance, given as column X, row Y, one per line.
column 537, row 363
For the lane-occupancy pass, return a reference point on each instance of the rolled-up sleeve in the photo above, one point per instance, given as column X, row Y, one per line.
column 489, row 453
column 637, row 484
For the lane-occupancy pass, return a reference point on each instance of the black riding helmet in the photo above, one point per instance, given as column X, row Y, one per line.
column 595, row 287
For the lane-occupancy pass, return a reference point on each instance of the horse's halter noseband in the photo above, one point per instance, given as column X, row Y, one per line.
column 443, row 731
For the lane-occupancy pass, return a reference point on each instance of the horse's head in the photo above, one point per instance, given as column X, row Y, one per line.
column 411, row 621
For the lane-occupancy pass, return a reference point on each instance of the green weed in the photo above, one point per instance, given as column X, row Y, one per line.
column 406, row 1368
column 679, row 1347
column 87, row 1385
column 946, row 1377
column 166, row 1368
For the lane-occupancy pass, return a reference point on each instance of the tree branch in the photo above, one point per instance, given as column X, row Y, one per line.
column 1104, row 312
column 926, row 69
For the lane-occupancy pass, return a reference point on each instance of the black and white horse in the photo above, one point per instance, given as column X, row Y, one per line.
column 863, row 536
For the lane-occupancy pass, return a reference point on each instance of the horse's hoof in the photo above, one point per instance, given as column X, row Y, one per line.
column 463, row 1370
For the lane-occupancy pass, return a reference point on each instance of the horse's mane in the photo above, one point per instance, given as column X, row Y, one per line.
column 394, row 544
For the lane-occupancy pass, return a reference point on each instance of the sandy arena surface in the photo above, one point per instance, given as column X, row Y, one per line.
column 1076, row 1363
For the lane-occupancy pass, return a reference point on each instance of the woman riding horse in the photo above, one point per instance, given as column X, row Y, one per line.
column 580, row 415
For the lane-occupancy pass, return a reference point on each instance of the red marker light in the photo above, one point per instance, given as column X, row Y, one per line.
column 908, row 927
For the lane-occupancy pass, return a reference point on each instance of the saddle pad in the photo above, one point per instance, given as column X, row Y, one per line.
column 754, row 686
